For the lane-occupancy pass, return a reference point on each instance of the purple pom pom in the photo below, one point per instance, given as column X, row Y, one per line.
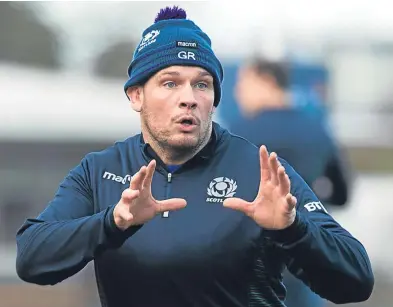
column 171, row 13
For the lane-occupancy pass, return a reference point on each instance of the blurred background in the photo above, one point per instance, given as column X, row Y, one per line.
column 62, row 70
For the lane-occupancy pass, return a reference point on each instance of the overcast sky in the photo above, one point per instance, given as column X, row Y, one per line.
column 236, row 29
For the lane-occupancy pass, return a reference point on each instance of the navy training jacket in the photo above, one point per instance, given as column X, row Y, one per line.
column 203, row 255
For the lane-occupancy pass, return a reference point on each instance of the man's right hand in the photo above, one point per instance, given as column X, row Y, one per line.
column 137, row 205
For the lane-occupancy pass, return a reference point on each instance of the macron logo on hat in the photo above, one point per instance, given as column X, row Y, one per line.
column 187, row 44
column 148, row 39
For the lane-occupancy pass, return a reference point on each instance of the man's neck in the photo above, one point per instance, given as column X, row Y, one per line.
column 174, row 157
column 171, row 157
column 280, row 102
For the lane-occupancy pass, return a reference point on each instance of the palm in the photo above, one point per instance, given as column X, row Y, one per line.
column 144, row 207
column 274, row 206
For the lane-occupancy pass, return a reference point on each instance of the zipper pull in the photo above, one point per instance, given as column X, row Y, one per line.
column 166, row 213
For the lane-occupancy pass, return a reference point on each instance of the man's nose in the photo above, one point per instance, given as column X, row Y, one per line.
column 187, row 98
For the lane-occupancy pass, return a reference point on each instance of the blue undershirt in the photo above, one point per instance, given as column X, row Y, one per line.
column 173, row 168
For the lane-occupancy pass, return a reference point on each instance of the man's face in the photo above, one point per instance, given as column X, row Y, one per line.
column 252, row 90
column 176, row 106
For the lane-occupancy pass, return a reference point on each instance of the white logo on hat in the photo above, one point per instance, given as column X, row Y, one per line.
column 148, row 39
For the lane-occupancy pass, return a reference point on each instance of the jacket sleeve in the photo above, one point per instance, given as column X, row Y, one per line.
column 67, row 234
column 321, row 253
column 339, row 174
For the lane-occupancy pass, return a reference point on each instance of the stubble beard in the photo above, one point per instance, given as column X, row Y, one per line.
column 172, row 147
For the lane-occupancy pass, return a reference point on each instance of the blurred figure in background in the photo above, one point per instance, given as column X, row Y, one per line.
column 300, row 136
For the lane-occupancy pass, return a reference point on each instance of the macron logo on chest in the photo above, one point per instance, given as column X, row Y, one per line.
column 117, row 178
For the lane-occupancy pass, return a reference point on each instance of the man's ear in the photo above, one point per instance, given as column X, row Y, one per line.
column 135, row 94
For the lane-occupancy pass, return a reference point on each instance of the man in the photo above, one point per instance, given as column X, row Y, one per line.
column 175, row 235
column 298, row 136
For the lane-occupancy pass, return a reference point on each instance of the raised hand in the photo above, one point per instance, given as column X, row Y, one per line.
column 137, row 205
column 274, row 207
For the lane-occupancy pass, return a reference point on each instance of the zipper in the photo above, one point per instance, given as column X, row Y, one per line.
column 168, row 189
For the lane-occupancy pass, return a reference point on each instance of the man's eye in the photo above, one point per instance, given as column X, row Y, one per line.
column 170, row 84
column 201, row 85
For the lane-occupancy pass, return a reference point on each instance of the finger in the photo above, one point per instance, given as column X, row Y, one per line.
column 285, row 183
column 171, row 204
column 137, row 179
column 129, row 195
column 273, row 164
column 149, row 174
column 264, row 163
column 291, row 200
column 126, row 215
column 239, row 205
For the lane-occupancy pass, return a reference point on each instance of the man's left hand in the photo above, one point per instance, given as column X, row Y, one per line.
column 274, row 207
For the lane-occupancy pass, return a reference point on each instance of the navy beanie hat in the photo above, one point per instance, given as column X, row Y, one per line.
column 173, row 40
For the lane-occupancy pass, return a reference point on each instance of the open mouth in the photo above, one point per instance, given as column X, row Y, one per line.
column 187, row 122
